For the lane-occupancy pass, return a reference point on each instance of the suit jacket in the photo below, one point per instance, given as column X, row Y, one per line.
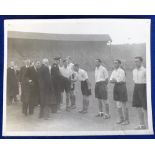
column 56, row 77
column 33, row 79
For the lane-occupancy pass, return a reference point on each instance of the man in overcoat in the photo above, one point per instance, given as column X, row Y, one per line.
column 25, row 86
column 12, row 84
column 34, row 91
column 45, row 89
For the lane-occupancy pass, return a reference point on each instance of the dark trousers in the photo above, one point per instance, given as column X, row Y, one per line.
column 54, row 108
column 10, row 99
column 72, row 98
column 28, row 108
column 44, row 111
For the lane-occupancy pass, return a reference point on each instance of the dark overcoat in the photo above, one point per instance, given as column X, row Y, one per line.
column 34, row 90
column 57, row 82
column 12, row 83
column 45, row 85
column 25, row 87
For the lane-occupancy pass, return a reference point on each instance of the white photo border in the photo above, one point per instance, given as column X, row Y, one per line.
column 148, row 131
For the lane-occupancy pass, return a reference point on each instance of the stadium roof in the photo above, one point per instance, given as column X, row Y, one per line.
column 63, row 37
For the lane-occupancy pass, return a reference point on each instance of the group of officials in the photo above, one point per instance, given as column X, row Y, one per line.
column 43, row 84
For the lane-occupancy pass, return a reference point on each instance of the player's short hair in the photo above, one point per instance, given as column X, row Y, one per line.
column 139, row 58
column 57, row 58
column 76, row 65
column 69, row 57
column 119, row 61
column 99, row 60
column 64, row 60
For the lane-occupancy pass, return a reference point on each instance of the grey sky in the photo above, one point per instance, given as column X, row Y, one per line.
column 121, row 30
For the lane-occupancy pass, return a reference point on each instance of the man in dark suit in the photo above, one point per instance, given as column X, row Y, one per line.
column 12, row 84
column 45, row 89
column 34, row 93
column 25, row 86
column 57, row 83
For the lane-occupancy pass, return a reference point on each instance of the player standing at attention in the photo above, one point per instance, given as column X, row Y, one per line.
column 139, row 94
column 118, row 77
column 101, row 81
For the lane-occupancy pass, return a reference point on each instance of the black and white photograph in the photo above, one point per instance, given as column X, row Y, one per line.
column 73, row 77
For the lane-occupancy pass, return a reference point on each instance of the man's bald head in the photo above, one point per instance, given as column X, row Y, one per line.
column 45, row 61
column 27, row 62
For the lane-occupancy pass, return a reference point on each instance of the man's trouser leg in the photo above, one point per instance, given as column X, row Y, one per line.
column 41, row 111
column 58, row 99
column 46, row 111
column 72, row 98
column 25, row 107
column 31, row 108
column 67, row 100
column 10, row 100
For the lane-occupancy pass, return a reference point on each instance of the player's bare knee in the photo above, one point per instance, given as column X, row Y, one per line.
column 119, row 104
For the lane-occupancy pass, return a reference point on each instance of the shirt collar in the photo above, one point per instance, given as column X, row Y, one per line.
column 117, row 68
column 141, row 68
column 99, row 67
